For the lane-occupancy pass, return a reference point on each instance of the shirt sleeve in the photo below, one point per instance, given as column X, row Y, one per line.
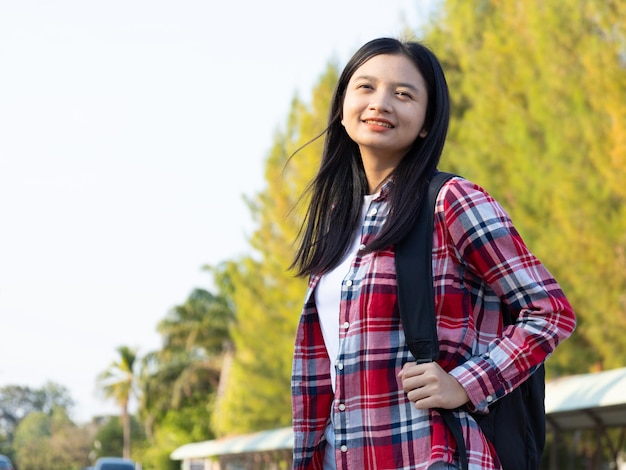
column 489, row 245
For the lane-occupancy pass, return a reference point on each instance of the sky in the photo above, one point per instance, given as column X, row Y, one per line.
column 130, row 132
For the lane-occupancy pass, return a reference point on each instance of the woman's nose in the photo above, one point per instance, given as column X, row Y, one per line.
column 380, row 102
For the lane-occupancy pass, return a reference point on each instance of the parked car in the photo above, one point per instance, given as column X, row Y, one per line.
column 114, row 463
column 5, row 463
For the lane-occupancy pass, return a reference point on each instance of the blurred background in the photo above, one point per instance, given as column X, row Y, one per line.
column 145, row 229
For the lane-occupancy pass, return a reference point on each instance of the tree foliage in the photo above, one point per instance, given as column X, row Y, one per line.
column 51, row 442
column 17, row 402
column 108, row 437
column 539, row 119
column 179, row 382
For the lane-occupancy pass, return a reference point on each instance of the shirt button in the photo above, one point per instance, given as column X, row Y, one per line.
column 489, row 399
column 342, row 407
column 346, row 325
column 339, row 365
column 344, row 448
column 361, row 247
column 348, row 283
column 374, row 211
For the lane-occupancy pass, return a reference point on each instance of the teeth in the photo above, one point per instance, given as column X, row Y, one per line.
column 379, row 123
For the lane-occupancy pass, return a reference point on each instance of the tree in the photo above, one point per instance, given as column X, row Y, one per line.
column 17, row 402
column 108, row 437
column 51, row 441
column 539, row 112
column 118, row 382
column 180, row 381
column 196, row 334
column 31, row 441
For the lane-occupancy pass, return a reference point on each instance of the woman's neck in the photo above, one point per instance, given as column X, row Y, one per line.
column 375, row 182
column 377, row 170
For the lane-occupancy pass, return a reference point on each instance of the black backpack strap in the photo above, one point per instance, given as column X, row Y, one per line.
column 413, row 260
column 416, row 297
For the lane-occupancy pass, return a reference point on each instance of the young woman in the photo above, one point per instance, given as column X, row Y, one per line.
column 359, row 399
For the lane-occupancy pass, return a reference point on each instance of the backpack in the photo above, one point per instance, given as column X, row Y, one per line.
column 515, row 424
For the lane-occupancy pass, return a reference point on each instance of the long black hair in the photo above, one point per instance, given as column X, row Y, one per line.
column 337, row 190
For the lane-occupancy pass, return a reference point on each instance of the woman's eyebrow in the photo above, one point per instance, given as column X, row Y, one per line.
column 396, row 84
column 407, row 85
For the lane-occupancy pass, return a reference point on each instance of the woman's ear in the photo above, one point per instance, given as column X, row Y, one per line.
column 423, row 133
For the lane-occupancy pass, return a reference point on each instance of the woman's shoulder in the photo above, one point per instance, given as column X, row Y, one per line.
column 459, row 188
column 460, row 195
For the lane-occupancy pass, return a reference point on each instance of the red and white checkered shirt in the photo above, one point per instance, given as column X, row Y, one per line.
column 479, row 260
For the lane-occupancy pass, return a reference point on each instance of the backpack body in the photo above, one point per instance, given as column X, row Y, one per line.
column 516, row 424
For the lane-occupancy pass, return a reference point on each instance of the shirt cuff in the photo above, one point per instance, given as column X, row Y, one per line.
column 481, row 382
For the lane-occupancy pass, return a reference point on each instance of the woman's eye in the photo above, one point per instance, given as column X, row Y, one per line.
column 365, row 86
column 404, row 94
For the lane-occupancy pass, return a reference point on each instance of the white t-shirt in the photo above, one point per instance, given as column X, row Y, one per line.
column 328, row 293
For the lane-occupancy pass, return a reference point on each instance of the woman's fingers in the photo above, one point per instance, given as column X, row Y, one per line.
column 429, row 386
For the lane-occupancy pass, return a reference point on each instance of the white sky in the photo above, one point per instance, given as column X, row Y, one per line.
column 129, row 132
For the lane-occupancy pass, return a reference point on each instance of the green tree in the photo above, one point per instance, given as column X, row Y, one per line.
column 51, row 441
column 195, row 335
column 32, row 441
column 266, row 296
column 164, row 440
column 17, row 402
column 108, row 438
column 179, row 382
column 539, row 112
column 119, row 382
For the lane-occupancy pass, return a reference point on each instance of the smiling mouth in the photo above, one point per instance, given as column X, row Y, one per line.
column 379, row 123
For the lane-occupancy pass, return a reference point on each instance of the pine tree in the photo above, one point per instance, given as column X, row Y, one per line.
column 539, row 93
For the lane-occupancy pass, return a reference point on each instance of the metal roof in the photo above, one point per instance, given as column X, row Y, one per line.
column 277, row 439
column 572, row 403
column 587, row 400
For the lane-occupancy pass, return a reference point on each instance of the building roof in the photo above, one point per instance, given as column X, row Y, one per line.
column 277, row 439
column 587, row 400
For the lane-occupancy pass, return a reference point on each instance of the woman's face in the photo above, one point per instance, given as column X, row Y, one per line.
column 384, row 108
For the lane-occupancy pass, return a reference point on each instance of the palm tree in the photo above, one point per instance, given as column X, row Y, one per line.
column 186, row 371
column 199, row 330
column 118, row 382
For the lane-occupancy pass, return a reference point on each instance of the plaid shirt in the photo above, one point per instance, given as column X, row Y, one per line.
column 479, row 260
